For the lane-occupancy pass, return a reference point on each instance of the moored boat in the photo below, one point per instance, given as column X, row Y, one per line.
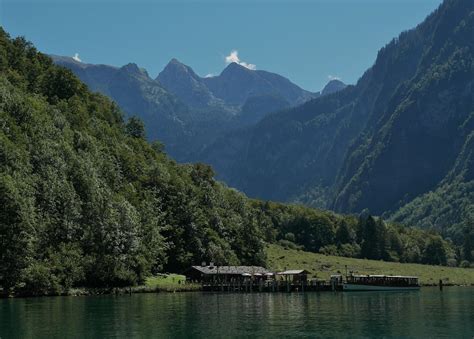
column 380, row 283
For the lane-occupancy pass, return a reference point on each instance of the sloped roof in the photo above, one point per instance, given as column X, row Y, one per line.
column 293, row 272
column 230, row 269
column 383, row 276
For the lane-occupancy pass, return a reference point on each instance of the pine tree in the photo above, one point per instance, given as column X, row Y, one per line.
column 467, row 244
column 369, row 230
column 343, row 233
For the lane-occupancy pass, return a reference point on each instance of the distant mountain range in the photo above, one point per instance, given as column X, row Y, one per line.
column 188, row 112
column 232, row 88
column 399, row 142
column 165, row 116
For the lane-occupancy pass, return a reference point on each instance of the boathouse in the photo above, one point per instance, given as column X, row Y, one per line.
column 295, row 276
column 211, row 272
column 252, row 278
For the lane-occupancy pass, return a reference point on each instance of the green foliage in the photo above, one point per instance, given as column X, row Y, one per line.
column 17, row 231
column 373, row 245
column 289, row 244
column 467, row 246
column 86, row 201
column 312, row 230
column 344, row 234
column 434, row 253
column 135, row 128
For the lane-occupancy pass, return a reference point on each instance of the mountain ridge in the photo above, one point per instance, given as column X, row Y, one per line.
column 233, row 86
column 178, row 107
column 370, row 145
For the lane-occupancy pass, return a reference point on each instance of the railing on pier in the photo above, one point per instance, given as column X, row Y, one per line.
column 266, row 286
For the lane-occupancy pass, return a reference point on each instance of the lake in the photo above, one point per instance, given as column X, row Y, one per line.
column 424, row 313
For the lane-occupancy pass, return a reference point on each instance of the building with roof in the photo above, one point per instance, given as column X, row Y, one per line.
column 225, row 273
column 296, row 276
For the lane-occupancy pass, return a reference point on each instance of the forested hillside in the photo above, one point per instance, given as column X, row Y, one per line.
column 422, row 134
column 87, row 201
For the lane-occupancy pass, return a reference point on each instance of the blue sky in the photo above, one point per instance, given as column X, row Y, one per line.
column 306, row 41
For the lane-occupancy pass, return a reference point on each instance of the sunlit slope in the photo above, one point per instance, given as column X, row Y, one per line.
column 322, row 266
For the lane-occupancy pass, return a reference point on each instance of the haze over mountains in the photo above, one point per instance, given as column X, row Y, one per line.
column 399, row 142
column 188, row 112
column 233, row 87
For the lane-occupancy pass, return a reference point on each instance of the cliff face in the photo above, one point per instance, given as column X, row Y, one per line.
column 392, row 138
column 410, row 146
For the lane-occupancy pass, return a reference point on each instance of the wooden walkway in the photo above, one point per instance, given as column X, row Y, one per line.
column 268, row 286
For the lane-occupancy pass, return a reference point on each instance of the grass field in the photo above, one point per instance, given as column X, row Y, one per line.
column 169, row 283
column 322, row 266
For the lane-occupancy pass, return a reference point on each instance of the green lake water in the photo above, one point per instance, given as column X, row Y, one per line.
column 421, row 314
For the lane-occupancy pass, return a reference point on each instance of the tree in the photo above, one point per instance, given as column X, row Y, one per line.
column 135, row 128
column 16, row 231
column 60, row 83
column 467, row 244
column 381, row 242
column 363, row 216
column 434, row 253
column 366, row 230
column 344, row 234
column 158, row 146
column 373, row 244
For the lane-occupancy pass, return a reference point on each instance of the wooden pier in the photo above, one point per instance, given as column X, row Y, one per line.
column 267, row 286
column 249, row 279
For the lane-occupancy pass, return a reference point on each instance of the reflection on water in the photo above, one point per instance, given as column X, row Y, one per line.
column 428, row 312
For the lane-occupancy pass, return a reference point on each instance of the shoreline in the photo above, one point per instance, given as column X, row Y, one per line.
column 120, row 291
column 85, row 292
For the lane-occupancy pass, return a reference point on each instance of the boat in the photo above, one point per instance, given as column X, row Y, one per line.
column 380, row 283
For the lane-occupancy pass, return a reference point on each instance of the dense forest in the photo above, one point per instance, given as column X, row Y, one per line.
column 362, row 236
column 87, row 201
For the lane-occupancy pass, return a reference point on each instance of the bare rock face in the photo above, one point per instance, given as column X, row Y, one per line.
column 333, row 86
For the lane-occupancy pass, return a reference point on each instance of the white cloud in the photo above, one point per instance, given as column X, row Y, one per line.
column 234, row 57
column 210, row 75
column 76, row 57
column 333, row 77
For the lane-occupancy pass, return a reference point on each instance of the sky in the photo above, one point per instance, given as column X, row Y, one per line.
column 307, row 41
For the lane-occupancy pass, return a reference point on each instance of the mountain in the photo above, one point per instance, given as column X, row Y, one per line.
column 237, row 83
column 421, row 141
column 184, row 111
column 256, row 107
column 333, row 86
column 88, row 202
column 166, row 118
column 449, row 206
column 384, row 144
column 181, row 80
column 231, row 89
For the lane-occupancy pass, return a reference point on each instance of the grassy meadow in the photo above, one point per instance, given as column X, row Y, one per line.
column 169, row 283
column 322, row 266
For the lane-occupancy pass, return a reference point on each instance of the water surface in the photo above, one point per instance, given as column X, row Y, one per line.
column 427, row 313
